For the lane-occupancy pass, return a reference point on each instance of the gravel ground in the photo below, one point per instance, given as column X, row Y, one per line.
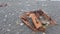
column 10, row 22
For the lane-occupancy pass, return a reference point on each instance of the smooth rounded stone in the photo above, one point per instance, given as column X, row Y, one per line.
column 5, row 16
column 44, row 33
column 9, row 24
column 21, row 24
column 8, row 30
column 48, row 22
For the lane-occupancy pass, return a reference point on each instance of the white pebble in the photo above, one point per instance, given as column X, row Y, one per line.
column 8, row 29
column 9, row 24
column 48, row 22
column 9, row 13
column 43, row 32
column 21, row 24
column 41, row 17
column 5, row 15
column 13, row 14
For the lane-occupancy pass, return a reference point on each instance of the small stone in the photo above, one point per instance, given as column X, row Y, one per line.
column 9, row 13
column 5, row 16
column 17, row 22
column 44, row 33
column 22, row 10
column 28, row 5
column 4, row 19
column 9, row 24
column 13, row 14
column 48, row 22
column 41, row 17
column 21, row 24
column 8, row 29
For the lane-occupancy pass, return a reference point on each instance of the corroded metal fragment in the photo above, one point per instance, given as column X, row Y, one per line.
column 37, row 20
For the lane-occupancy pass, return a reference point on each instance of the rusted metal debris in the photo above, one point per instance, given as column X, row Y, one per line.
column 3, row 4
column 37, row 20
